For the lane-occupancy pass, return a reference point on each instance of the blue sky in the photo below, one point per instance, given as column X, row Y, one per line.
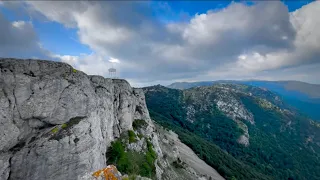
column 53, row 36
column 162, row 25
column 61, row 40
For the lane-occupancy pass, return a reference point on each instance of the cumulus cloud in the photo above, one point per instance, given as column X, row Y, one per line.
column 238, row 41
column 19, row 39
column 114, row 60
column 92, row 64
column 306, row 44
column 72, row 60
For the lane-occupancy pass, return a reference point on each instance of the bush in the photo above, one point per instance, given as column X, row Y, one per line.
column 64, row 125
column 132, row 162
column 152, row 153
column 139, row 123
column 140, row 136
column 132, row 136
column 116, row 151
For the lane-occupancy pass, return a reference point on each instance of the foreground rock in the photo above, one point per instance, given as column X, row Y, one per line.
column 57, row 122
column 180, row 161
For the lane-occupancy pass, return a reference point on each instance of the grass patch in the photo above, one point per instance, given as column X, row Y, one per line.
column 139, row 123
column 131, row 162
column 59, row 133
column 132, row 136
column 55, row 130
column 132, row 177
column 74, row 121
column 64, row 125
column 140, row 136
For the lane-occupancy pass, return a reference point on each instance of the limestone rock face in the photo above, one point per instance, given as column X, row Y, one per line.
column 57, row 122
column 225, row 99
column 190, row 167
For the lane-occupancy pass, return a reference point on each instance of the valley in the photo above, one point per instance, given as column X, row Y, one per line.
column 258, row 133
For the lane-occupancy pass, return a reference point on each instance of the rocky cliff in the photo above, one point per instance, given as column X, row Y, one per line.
column 57, row 122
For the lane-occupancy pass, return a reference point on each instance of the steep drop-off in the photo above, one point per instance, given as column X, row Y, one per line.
column 58, row 123
column 244, row 132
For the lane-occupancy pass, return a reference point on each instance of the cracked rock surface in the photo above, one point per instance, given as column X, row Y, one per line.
column 57, row 122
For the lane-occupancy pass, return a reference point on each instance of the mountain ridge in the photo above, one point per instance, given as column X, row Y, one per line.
column 304, row 97
column 213, row 115
column 184, row 85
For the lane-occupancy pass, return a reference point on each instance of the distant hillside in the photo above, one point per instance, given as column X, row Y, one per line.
column 298, row 89
column 187, row 85
column 310, row 90
column 303, row 96
column 243, row 131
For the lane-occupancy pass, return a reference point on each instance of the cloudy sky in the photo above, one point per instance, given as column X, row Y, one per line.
column 154, row 42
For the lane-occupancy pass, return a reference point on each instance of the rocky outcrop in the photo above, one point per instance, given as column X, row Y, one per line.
column 226, row 100
column 57, row 122
column 180, row 162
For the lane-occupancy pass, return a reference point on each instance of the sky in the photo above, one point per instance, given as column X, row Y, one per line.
column 161, row 42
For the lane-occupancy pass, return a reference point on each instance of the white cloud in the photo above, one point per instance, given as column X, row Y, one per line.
column 306, row 44
column 19, row 39
column 84, row 62
column 114, row 60
column 242, row 57
column 19, row 24
column 99, row 67
column 72, row 60
column 238, row 41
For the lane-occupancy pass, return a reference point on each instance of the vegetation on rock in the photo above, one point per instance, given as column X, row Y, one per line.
column 139, row 123
column 64, row 125
column 132, row 136
column 132, row 162
column 283, row 143
column 55, row 130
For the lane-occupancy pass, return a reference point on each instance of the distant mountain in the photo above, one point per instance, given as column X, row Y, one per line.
column 244, row 132
column 303, row 96
column 187, row 85
column 298, row 89
column 306, row 89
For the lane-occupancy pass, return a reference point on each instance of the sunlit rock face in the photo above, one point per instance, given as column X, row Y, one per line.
column 57, row 122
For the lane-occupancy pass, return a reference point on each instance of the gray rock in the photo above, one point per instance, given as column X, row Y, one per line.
column 175, row 151
column 57, row 122
column 4, row 165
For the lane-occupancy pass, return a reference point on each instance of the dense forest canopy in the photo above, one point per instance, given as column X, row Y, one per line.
column 284, row 144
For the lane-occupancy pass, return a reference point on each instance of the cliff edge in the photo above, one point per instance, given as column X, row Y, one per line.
column 57, row 122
